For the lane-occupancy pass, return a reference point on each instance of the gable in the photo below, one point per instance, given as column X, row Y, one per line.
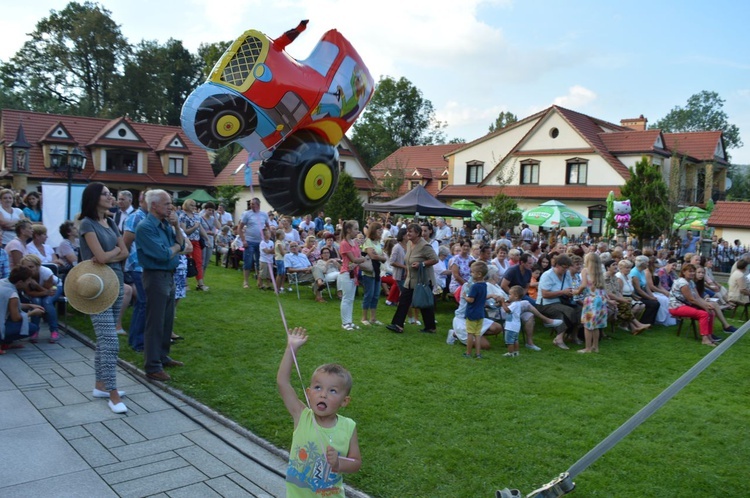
column 554, row 133
column 123, row 131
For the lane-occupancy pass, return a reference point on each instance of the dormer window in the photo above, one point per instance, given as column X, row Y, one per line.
column 175, row 166
column 122, row 160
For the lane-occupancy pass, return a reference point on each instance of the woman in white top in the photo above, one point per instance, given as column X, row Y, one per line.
column 9, row 216
column 39, row 247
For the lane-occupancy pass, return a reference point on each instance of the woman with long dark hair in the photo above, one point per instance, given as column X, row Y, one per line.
column 102, row 243
column 351, row 257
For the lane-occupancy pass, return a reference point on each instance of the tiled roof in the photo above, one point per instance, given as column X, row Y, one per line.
column 728, row 214
column 580, row 192
column 420, row 158
column 698, row 145
column 633, row 142
column 588, row 127
column 497, row 132
column 85, row 130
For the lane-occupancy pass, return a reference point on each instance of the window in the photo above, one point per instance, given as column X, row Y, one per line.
column 530, row 173
column 598, row 216
column 443, row 184
column 413, row 184
column 474, row 172
column 122, row 160
column 577, row 172
column 342, row 165
column 175, row 166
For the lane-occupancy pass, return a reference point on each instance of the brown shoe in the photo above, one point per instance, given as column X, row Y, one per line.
column 161, row 376
column 172, row 363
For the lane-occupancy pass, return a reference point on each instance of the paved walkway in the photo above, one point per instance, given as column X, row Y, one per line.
column 56, row 440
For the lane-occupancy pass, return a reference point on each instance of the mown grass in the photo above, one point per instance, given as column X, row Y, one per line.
column 433, row 424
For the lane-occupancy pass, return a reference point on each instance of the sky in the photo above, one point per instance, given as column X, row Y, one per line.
column 476, row 58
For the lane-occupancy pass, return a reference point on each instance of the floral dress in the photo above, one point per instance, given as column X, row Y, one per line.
column 594, row 313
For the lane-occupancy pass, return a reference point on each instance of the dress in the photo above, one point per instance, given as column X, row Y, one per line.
column 594, row 312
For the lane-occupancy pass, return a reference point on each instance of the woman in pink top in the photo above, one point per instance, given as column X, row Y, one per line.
column 351, row 256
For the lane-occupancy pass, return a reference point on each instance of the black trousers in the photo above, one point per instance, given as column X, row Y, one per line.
column 404, row 303
column 652, row 307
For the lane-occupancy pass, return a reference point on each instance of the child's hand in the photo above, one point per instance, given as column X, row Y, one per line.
column 332, row 457
column 296, row 338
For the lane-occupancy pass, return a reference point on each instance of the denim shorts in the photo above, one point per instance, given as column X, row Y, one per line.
column 280, row 268
column 511, row 337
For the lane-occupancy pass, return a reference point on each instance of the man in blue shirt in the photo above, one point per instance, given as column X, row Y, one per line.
column 134, row 271
column 690, row 243
column 159, row 241
column 554, row 284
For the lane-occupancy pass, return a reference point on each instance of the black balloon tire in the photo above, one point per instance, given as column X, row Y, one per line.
column 216, row 107
column 282, row 176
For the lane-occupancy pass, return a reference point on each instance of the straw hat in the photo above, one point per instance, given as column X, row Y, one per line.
column 91, row 288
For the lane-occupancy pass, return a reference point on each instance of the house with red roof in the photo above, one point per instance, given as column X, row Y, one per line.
column 234, row 174
column 731, row 221
column 424, row 165
column 577, row 159
column 118, row 152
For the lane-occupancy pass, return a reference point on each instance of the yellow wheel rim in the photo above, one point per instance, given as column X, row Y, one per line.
column 318, row 181
column 227, row 125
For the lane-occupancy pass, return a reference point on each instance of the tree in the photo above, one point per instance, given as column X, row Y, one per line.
column 397, row 116
column 210, row 53
column 393, row 178
column 228, row 195
column 704, row 112
column 503, row 120
column 345, row 202
column 157, row 80
column 502, row 212
column 740, row 190
column 73, row 58
column 650, row 213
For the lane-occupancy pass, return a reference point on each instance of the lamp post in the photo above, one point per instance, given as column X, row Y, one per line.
column 68, row 164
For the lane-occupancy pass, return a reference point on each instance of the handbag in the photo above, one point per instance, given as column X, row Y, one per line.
column 422, row 297
column 366, row 265
column 192, row 270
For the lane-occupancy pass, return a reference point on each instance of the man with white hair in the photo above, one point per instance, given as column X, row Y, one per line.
column 443, row 232
column 124, row 208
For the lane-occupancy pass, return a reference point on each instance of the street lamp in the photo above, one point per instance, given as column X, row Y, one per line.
column 69, row 164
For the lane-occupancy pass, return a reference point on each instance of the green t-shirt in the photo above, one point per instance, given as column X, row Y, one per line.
column 308, row 473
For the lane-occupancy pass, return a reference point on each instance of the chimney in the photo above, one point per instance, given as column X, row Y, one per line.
column 637, row 124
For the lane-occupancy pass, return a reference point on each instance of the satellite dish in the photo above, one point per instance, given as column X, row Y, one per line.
column 728, row 183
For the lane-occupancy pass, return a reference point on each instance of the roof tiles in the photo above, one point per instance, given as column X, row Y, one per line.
column 727, row 214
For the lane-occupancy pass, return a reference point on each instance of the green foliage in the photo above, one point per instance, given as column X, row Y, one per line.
column 425, row 431
column 740, row 190
column 345, row 202
column 650, row 213
column 72, row 57
column 393, row 178
column 503, row 119
column 210, row 53
column 397, row 116
column 457, row 140
column 157, row 80
column 228, row 195
column 704, row 112
column 502, row 212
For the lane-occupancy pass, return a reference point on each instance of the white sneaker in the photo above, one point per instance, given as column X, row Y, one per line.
column 533, row 347
column 451, row 339
column 554, row 323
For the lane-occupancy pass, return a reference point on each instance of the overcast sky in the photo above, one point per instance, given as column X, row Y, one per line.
column 476, row 58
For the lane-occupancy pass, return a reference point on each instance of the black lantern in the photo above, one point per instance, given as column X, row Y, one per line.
column 68, row 164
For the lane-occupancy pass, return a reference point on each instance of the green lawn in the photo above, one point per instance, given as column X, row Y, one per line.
column 433, row 424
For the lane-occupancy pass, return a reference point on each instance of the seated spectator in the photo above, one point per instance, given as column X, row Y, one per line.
column 662, row 295
column 33, row 209
column 553, row 285
column 296, row 263
column 39, row 247
column 311, row 249
column 441, row 269
column 21, row 319
column 700, row 287
column 520, row 275
column 738, row 287
column 45, row 290
column 536, row 273
column 16, row 248
column 718, row 291
column 642, row 292
column 222, row 244
column 666, row 274
column 684, row 302
column 500, row 261
column 627, row 310
column 326, row 269
column 68, row 251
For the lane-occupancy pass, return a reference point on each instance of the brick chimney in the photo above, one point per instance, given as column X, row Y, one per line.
column 637, row 124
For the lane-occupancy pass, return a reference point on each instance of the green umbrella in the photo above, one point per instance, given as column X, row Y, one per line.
column 465, row 204
column 477, row 215
column 698, row 224
column 554, row 214
column 689, row 214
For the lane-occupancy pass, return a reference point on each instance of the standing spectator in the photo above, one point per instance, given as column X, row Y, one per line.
column 159, row 241
column 373, row 248
column 33, row 209
column 460, row 266
column 135, row 273
column 526, row 234
column 223, row 241
column 102, row 244
column 594, row 311
column 9, row 218
column 191, row 224
column 419, row 254
column 690, row 242
column 211, row 225
column 124, row 208
column 307, row 225
column 443, row 233
column 351, row 256
column 319, row 222
column 477, row 298
column 266, row 261
column 252, row 223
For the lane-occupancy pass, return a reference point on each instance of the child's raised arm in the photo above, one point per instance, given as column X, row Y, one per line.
column 296, row 338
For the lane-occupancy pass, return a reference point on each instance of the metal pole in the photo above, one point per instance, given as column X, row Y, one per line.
column 70, row 187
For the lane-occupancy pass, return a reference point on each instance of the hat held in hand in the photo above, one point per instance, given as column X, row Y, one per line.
column 91, row 288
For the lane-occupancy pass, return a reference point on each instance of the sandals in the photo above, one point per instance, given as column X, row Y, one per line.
column 350, row 326
column 366, row 323
column 394, row 328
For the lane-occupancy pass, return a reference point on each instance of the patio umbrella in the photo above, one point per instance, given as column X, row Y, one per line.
column 698, row 224
column 689, row 214
column 464, row 204
column 554, row 214
column 477, row 215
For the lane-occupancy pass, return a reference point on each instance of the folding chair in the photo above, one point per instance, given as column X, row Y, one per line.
column 293, row 279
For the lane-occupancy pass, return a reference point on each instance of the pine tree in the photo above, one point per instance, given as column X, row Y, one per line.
column 345, row 202
column 650, row 214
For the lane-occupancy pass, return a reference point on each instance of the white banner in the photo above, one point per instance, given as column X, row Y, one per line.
column 55, row 205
